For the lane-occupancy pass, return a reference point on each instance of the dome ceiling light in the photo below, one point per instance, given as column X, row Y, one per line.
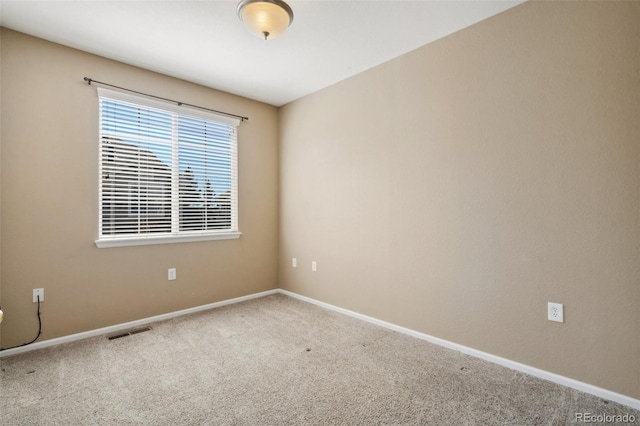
column 265, row 18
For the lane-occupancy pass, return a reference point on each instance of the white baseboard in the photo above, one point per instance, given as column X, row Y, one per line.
column 131, row 324
column 536, row 372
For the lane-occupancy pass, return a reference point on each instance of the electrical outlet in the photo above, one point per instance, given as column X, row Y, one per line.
column 38, row 293
column 171, row 274
column 314, row 266
column 555, row 312
column 294, row 262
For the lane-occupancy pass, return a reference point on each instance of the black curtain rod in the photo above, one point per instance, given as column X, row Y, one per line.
column 90, row 80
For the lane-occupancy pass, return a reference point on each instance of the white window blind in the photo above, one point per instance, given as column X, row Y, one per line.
column 167, row 173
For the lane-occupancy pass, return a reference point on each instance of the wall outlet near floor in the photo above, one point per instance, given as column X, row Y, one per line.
column 38, row 293
column 171, row 274
column 314, row 266
column 294, row 262
column 555, row 312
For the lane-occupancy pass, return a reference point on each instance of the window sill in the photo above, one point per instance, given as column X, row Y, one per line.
column 164, row 239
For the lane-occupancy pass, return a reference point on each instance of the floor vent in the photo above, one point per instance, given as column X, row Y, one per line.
column 140, row 330
column 129, row 333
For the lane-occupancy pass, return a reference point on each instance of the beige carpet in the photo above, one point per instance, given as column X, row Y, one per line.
column 275, row 361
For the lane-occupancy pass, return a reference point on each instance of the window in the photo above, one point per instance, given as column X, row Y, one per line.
column 167, row 173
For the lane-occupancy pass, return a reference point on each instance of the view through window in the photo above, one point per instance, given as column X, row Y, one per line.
column 164, row 173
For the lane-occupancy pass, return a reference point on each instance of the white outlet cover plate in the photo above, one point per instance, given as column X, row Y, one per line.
column 38, row 292
column 555, row 312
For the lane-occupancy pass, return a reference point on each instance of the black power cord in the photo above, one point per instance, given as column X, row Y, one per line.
column 39, row 331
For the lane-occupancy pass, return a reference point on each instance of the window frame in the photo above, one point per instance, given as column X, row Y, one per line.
column 174, row 236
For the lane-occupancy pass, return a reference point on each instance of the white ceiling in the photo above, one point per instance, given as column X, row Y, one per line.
column 205, row 42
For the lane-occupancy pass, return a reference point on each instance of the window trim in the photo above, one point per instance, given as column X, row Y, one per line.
column 108, row 241
column 165, row 239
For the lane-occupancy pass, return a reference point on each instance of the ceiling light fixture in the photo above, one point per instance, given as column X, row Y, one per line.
column 265, row 18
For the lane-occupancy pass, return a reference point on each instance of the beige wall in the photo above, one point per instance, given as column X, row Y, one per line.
column 0, row 184
column 459, row 188
column 50, row 201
